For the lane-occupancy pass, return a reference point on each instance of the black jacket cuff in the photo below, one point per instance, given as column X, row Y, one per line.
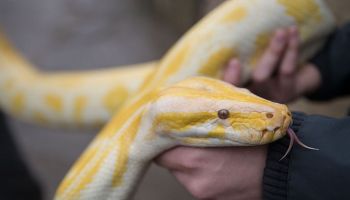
column 275, row 180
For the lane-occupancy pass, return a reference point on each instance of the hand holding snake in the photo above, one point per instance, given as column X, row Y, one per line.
column 236, row 173
column 159, row 114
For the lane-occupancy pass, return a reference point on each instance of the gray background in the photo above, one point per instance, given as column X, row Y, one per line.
column 86, row 34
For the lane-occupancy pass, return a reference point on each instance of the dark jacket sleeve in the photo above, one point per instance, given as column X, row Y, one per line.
column 16, row 181
column 309, row 174
column 333, row 61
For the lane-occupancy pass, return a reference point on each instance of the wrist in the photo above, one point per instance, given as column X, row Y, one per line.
column 256, row 172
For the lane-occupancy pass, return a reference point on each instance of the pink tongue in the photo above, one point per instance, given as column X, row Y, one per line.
column 293, row 137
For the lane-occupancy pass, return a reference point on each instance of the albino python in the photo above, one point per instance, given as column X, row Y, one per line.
column 156, row 114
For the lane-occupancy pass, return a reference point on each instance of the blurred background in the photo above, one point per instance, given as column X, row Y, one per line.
column 87, row 34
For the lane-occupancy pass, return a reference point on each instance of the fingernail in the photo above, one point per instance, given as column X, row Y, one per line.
column 293, row 30
column 234, row 62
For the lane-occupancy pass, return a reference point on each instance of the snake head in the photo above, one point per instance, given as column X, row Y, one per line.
column 207, row 112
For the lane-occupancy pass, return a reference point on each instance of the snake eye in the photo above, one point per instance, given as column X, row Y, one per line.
column 223, row 114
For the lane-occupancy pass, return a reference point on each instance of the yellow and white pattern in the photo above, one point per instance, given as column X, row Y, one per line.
column 183, row 114
column 236, row 29
column 87, row 98
column 153, row 119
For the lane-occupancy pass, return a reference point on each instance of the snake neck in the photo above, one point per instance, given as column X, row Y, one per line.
column 118, row 156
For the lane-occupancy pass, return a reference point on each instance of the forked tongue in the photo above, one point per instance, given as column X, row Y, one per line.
column 293, row 137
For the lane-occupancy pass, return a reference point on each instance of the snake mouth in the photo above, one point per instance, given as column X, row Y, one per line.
column 281, row 131
column 269, row 135
column 288, row 121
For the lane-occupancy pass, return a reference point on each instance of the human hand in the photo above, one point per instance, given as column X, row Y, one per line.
column 218, row 173
column 236, row 173
column 276, row 76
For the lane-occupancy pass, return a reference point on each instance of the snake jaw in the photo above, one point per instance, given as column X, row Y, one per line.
column 293, row 137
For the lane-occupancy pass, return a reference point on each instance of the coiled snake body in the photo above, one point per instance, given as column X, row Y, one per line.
column 157, row 114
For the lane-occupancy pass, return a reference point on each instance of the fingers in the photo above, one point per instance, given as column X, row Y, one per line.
column 232, row 73
column 289, row 62
column 281, row 55
column 175, row 159
column 270, row 58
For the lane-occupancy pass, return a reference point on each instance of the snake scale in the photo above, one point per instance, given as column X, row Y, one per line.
column 161, row 105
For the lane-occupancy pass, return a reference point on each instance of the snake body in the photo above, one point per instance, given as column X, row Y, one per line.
column 187, row 113
column 160, row 115
column 241, row 29
column 64, row 98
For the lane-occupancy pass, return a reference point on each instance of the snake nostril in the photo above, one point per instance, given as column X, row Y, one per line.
column 269, row 115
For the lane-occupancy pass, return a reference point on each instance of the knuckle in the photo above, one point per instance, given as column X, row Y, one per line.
column 200, row 189
column 276, row 50
column 193, row 160
column 188, row 164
